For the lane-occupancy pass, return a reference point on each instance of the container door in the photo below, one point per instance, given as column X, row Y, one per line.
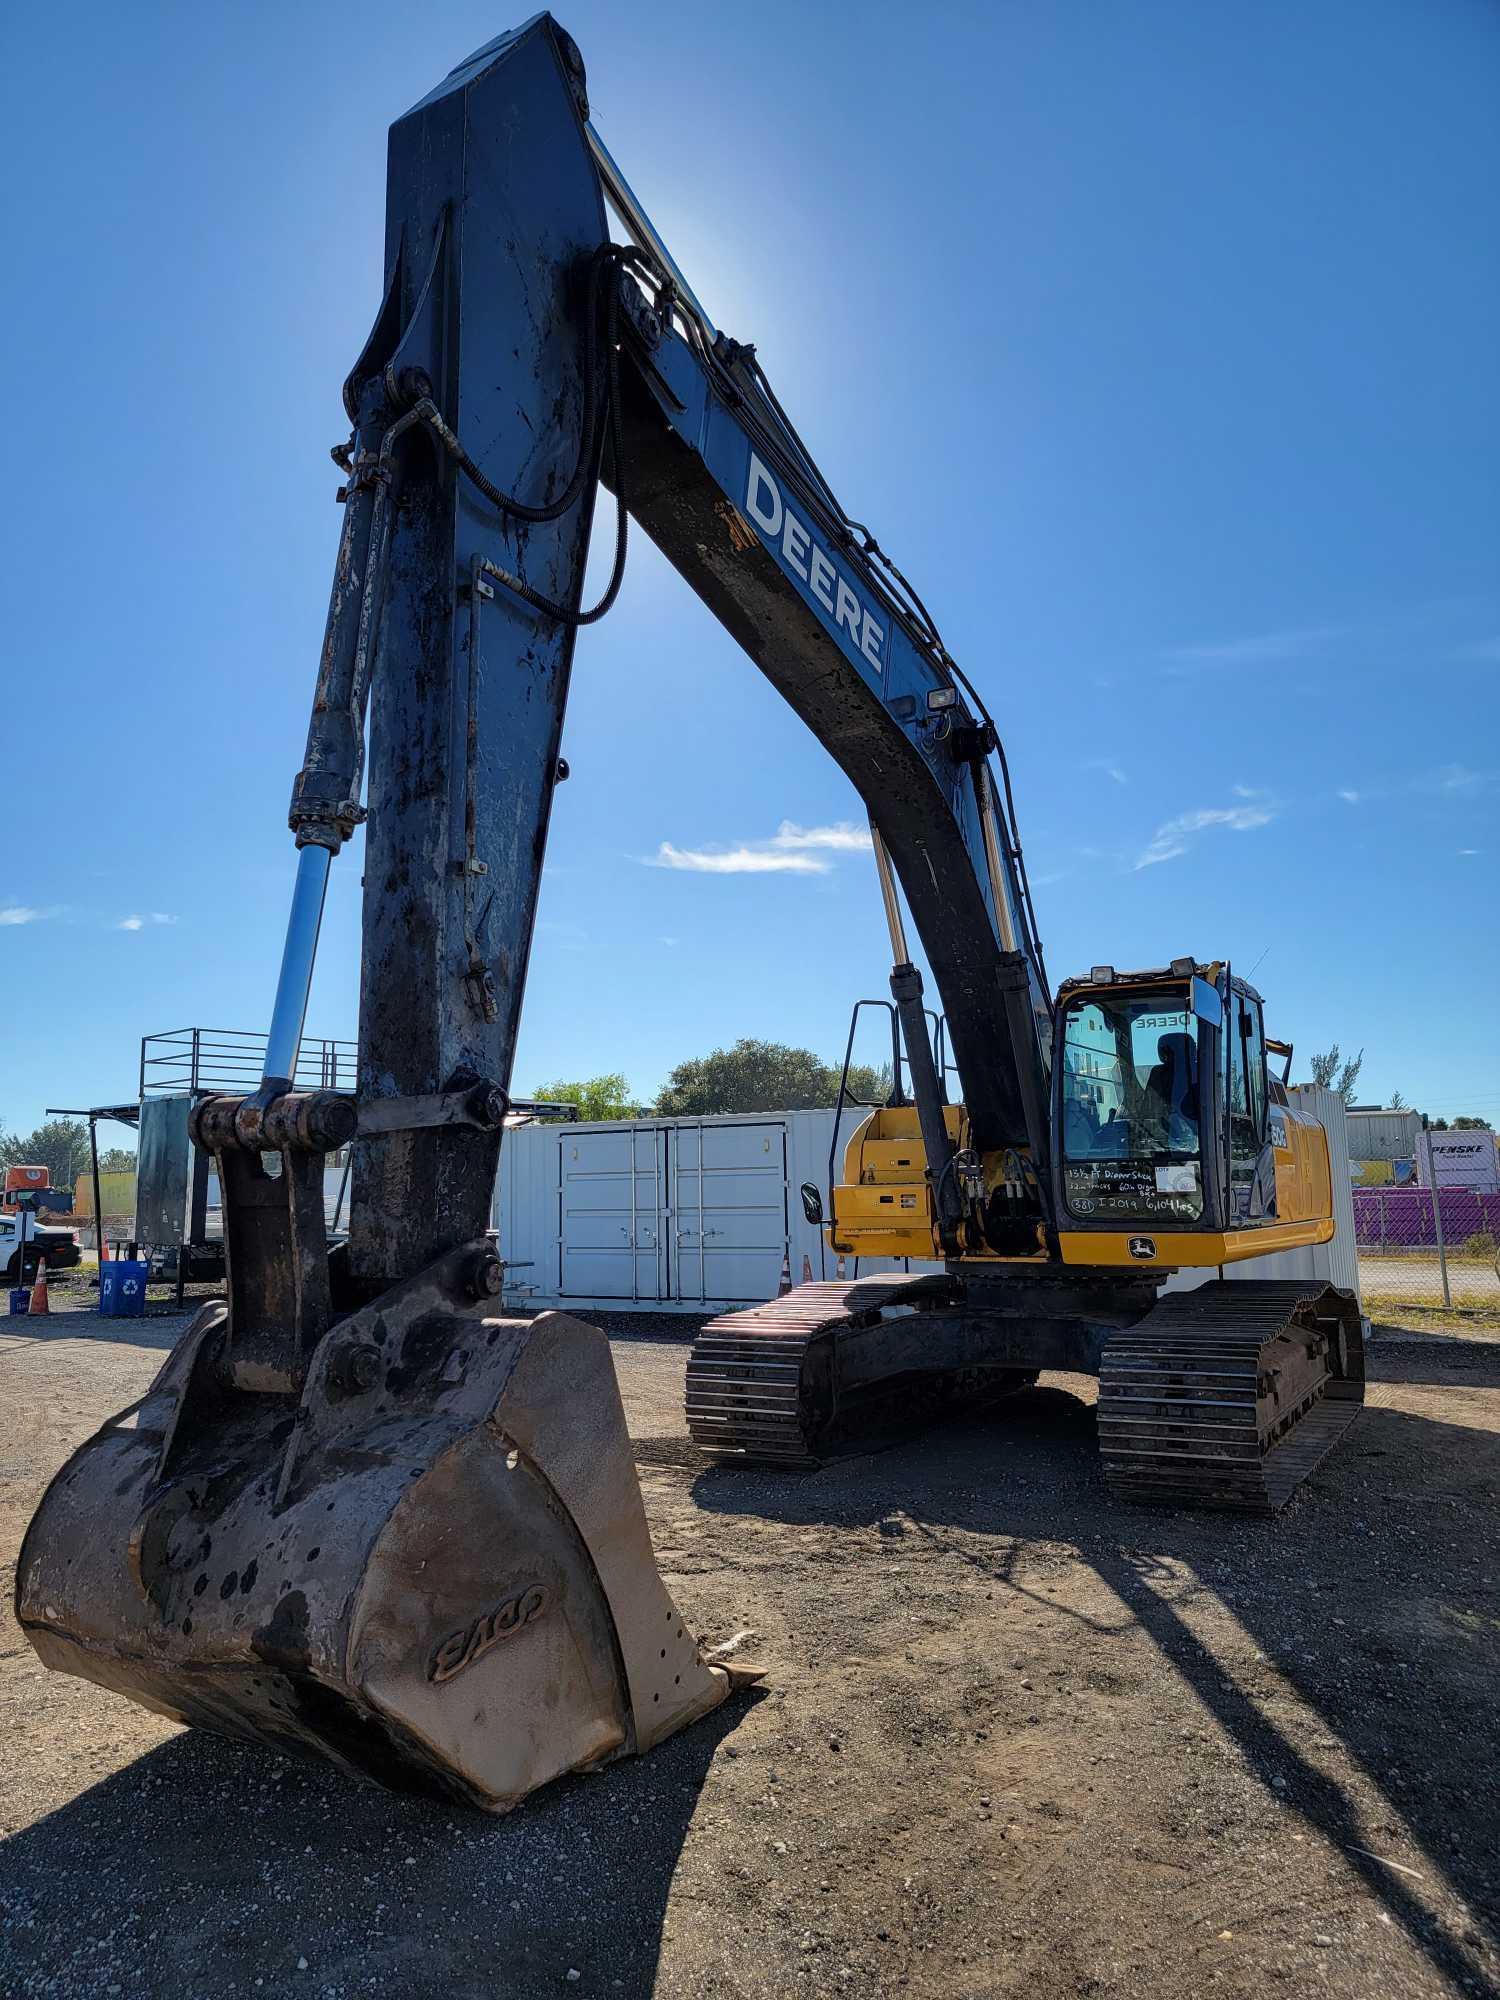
column 729, row 1210
column 612, row 1228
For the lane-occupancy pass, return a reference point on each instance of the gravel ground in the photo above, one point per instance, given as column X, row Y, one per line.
column 1013, row 1739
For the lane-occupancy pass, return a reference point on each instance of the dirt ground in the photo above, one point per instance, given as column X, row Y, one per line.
column 1013, row 1739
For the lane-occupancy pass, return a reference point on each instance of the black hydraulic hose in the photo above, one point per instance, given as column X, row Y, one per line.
column 607, row 257
column 553, row 510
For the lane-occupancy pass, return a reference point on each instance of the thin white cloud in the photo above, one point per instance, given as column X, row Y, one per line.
column 1294, row 644
column 1468, row 850
column 1348, row 794
column 161, row 917
column 19, row 913
column 565, row 936
column 1459, row 778
column 668, row 941
column 843, row 837
column 791, row 850
column 131, row 924
column 138, row 923
column 737, row 861
column 1175, row 836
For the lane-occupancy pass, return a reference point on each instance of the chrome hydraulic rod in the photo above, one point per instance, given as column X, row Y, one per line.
column 989, row 820
column 622, row 199
column 899, row 953
column 297, row 959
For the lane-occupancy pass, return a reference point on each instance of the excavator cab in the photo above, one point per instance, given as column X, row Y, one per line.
column 1173, row 1145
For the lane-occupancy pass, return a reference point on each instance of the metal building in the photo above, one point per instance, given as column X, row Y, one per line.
column 1378, row 1134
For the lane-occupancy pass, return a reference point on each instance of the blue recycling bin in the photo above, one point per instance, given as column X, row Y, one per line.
column 122, row 1289
column 20, row 1299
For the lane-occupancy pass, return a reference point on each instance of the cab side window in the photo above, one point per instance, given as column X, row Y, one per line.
column 1255, row 1063
column 1247, row 1098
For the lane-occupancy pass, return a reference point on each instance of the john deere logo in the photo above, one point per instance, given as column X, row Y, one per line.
column 462, row 1648
column 1143, row 1247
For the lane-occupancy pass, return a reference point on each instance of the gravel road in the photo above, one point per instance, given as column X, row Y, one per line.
column 1013, row 1739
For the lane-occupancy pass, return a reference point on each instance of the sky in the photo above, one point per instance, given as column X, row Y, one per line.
column 1156, row 342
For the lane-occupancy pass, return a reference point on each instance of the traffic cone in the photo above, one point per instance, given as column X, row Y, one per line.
column 807, row 1276
column 103, row 1250
column 39, row 1290
column 786, row 1275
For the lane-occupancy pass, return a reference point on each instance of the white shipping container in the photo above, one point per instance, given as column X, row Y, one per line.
column 667, row 1214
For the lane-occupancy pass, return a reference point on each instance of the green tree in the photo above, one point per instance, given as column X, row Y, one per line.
column 1472, row 1125
column 1335, row 1071
column 61, row 1146
column 761, row 1076
column 116, row 1160
column 596, row 1096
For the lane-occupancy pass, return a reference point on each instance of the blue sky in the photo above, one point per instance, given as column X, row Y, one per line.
column 1155, row 341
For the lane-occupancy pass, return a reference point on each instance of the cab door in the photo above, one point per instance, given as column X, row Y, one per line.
column 1252, row 1168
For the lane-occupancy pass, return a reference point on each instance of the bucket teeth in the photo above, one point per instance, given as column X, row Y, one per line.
column 435, row 1571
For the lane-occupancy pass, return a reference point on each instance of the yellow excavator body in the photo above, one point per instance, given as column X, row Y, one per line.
column 885, row 1204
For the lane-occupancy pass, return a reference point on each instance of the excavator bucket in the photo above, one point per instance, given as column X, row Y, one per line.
column 432, row 1567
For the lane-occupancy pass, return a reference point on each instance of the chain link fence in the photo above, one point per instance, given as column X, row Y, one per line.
column 1418, row 1247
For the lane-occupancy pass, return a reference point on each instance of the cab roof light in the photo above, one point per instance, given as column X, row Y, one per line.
column 1184, row 968
column 1101, row 975
column 940, row 698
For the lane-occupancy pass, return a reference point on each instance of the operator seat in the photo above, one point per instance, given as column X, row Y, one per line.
column 1173, row 1083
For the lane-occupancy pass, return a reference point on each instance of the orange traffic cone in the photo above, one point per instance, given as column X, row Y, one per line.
column 103, row 1250
column 786, row 1275
column 39, row 1290
column 807, row 1276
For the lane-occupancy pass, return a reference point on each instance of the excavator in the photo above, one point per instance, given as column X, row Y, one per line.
column 359, row 1510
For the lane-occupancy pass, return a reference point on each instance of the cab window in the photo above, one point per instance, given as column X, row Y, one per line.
column 1130, row 1106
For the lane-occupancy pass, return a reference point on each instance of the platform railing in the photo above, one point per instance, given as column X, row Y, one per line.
column 199, row 1060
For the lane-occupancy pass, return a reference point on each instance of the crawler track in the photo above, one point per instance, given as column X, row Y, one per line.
column 764, row 1383
column 1230, row 1396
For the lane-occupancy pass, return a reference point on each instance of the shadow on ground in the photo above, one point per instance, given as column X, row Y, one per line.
column 161, row 1330
column 1373, row 1596
column 205, row 1867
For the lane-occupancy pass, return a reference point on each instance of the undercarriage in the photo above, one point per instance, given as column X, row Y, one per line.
column 1227, row 1396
